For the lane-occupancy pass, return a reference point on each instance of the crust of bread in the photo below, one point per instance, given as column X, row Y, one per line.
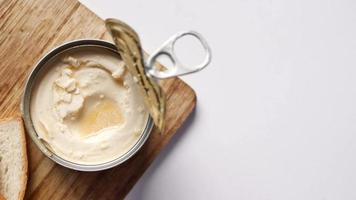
column 24, row 149
column 2, row 197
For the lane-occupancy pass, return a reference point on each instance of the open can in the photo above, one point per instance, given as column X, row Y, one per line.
column 127, row 46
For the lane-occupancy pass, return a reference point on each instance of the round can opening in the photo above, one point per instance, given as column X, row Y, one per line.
column 39, row 69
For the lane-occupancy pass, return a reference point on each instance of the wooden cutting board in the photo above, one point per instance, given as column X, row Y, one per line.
column 30, row 28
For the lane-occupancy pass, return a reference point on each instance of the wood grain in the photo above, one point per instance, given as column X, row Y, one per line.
column 28, row 29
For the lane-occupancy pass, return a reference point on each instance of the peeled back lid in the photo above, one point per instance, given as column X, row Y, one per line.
column 129, row 47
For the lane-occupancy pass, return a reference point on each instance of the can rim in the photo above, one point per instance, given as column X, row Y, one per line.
column 25, row 110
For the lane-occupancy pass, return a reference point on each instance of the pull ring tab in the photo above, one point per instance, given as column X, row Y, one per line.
column 178, row 69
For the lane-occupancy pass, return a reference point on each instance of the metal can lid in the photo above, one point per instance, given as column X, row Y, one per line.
column 129, row 47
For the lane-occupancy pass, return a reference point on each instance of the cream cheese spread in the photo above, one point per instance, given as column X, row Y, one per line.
column 86, row 107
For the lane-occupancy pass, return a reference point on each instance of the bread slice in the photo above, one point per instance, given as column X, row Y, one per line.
column 13, row 159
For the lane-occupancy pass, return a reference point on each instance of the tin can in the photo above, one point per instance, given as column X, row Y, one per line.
column 128, row 47
column 26, row 103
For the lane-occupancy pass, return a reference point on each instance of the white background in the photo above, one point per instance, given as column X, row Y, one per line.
column 276, row 113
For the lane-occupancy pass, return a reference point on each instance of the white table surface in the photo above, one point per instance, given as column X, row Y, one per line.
column 276, row 113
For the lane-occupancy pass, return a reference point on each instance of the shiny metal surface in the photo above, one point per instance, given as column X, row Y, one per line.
column 178, row 68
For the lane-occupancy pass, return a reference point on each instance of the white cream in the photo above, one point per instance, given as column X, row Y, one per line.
column 87, row 108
